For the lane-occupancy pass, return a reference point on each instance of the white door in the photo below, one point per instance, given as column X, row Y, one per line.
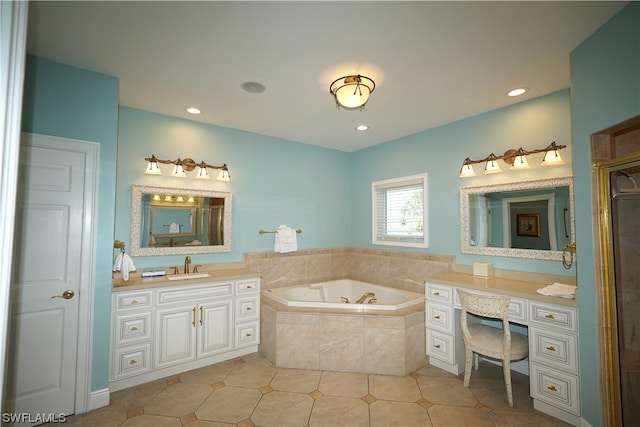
column 43, row 339
column 176, row 336
column 215, row 327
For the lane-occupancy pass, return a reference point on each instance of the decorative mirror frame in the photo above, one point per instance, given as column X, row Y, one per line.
column 137, row 192
column 465, row 234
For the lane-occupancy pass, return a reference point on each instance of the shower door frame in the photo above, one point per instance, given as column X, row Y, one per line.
column 606, row 288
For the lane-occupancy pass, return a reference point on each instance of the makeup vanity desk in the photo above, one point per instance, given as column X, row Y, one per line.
column 552, row 328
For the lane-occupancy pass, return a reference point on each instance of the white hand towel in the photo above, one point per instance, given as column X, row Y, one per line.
column 174, row 228
column 559, row 290
column 124, row 264
column 286, row 240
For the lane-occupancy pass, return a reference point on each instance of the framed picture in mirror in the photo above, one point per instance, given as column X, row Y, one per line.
column 528, row 225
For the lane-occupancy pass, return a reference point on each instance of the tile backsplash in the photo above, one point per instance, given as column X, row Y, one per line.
column 402, row 270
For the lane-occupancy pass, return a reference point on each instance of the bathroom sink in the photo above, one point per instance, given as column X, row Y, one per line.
column 187, row 276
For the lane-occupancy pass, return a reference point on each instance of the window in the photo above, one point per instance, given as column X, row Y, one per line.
column 400, row 212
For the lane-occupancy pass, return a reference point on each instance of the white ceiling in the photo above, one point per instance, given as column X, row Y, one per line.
column 433, row 62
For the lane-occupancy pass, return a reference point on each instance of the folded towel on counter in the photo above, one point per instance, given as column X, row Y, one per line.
column 286, row 240
column 174, row 228
column 559, row 290
column 124, row 264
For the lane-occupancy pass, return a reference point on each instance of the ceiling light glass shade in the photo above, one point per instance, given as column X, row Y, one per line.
column 492, row 167
column 153, row 168
column 352, row 92
column 202, row 173
column 552, row 158
column 156, row 197
column 191, row 200
column 520, row 163
column 467, row 170
column 168, row 199
column 224, row 176
column 178, row 171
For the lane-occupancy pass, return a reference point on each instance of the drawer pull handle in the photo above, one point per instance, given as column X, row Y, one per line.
column 201, row 314
column 193, row 322
column 437, row 346
column 437, row 316
column 551, row 348
column 134, row 328
column 436, row 293
column 550, row 316
column 248, row 309
column 552, row 388
column 249, row 286
column 134, row 302
column 133, row 362
column 248, row 334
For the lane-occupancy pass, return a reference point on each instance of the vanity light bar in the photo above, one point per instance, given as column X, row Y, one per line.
column 516, row 158
column 180, row 167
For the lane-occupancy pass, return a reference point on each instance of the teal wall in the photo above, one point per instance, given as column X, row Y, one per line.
column 440, row 152
column 67, row 102
column 605, row 90
column 327, row 193
column 273, row 182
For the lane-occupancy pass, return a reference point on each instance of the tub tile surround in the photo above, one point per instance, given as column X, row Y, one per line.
column 321, row 339
column 396, row 269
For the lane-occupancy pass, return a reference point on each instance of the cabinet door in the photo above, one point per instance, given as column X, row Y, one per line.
column 175, row 336
column 215, row 327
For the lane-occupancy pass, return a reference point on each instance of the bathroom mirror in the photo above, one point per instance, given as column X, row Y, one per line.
column 179, row 221
column 530, row 219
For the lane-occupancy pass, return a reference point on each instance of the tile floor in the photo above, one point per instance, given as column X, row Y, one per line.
column 250, row 391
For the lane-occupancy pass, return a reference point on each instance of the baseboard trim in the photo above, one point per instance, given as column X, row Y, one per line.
column 99, row 399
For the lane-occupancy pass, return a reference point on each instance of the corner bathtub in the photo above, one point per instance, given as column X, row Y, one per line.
column 334, row 294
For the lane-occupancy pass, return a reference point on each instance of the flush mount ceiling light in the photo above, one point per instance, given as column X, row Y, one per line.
column 517, row 92
column 516, row 158
column 362, row 128
column 352, row 92
column 194, row 111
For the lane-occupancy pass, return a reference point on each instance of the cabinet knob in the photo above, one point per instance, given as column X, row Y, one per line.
column 248, row 309
column 437, row 346
column 133, row 362
column 248, row 334
column 436, row 317
column 133, row 328
column 436, row 293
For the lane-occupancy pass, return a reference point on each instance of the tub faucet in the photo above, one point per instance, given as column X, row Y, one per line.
column 364, row 297
column 187, row 261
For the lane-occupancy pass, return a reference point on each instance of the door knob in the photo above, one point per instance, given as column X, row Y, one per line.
column 68, row 294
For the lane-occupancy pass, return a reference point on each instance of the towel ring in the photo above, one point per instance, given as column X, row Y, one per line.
column 569, row 248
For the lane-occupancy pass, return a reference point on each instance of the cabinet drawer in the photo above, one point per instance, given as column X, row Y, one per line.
column 133, row 300
column 131, row 361
column 247, row 334
column 244, row 287
column 553, row 316
column 517, row 306
column 555, row 388
column 247, row 308
column 132, row 328
column 191, row 293
column 440, row 317
column 557, row 350
column 440, row 346
column 439, row 293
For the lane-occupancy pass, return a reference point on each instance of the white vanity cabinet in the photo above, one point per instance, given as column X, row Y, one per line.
column 552, row 328
column 166, row 330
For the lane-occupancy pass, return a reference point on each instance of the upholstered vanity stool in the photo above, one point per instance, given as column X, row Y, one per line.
column 487, row 340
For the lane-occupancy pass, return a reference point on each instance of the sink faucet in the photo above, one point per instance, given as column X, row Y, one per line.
column 187, row 261
column 364, row 297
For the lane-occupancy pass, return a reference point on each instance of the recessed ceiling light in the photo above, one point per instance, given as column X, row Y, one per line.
column 362, row 127
column 253, row 87
column 194, row 110
column 517, row 92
